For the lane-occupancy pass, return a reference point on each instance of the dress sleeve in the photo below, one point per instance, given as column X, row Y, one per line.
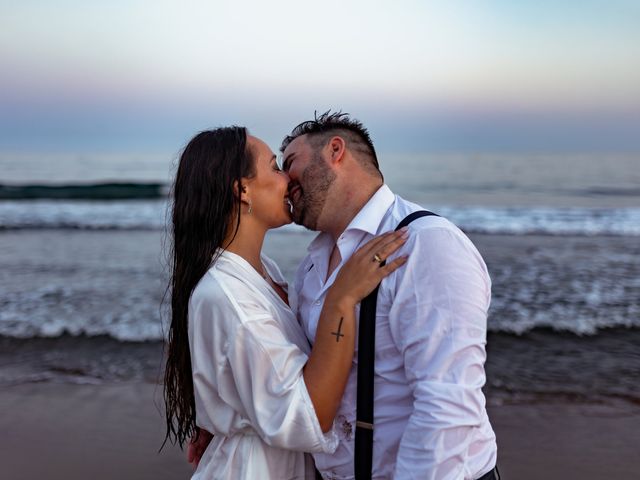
column 438, row 321
column 267, row 370
column 257, row 369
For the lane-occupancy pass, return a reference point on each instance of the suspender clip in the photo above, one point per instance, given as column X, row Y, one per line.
column 365, row 425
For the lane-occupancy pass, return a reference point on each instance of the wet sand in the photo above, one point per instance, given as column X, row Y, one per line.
column 559, row 441
column 65, row 431
column 62, row 431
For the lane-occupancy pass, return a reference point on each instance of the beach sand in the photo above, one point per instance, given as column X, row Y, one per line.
column 99, row 432
column 114, row 431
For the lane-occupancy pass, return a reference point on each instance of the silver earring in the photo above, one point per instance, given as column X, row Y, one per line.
column 250, row 207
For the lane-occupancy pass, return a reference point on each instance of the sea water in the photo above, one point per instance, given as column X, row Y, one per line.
column 84, row 273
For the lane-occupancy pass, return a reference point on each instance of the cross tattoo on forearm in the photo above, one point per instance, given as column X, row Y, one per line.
column 338, row 334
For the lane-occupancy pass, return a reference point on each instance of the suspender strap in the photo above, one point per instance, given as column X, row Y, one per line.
column 413, row 216
column 366, row 356
column 364, row 401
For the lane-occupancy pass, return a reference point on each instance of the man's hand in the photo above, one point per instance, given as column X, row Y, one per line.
column 198, row 444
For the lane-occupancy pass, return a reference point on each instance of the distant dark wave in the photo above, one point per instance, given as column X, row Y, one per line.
column 97, row 191
column 533, row 190
column 616, row 192
column 83, row 227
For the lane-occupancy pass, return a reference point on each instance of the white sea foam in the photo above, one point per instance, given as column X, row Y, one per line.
column 108, row 215
column 153, row 214
column 582, row 309
column 546, row 220
column 56, row 310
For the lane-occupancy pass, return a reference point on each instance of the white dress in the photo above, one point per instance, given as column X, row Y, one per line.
column 247, row 356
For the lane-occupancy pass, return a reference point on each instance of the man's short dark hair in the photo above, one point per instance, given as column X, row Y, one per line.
column 328, row 124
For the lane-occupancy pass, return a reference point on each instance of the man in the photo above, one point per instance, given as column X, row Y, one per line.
column 429, row 409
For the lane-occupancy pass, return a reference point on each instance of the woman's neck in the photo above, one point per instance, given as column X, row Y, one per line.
column 248, row 244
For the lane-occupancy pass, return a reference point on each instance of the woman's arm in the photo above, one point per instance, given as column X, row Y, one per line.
column 329, row 364
column 273, row 378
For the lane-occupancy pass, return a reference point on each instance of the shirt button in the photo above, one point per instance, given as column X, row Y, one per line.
column 318, row 302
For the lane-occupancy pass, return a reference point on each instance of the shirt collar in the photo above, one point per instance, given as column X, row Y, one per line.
column 322, row 240
column 368, row 219
column 366, row 222
column 370, row 216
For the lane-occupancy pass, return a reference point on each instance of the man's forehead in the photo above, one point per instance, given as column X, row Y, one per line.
column 297, row 144
column 296, row 148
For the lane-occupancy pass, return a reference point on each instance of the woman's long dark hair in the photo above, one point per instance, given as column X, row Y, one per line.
column 204, row 201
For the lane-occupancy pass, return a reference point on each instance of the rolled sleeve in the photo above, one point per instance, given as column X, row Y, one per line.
column 267, row 370
column 438, row 322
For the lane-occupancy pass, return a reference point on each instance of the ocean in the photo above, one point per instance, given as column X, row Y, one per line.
column 84, row 269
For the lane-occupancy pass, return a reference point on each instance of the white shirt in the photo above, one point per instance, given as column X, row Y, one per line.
column 429, row 409
column 247, row 355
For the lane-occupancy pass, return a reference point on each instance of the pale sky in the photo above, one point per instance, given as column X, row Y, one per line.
column 423, row 75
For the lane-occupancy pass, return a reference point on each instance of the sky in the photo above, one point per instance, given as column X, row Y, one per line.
column 424, row 75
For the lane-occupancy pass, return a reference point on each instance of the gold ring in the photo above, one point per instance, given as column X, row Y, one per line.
column 376, row 258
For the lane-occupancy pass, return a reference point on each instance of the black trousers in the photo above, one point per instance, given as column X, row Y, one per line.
column 490, row 475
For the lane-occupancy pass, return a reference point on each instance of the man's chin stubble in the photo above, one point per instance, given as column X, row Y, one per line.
column 300, row 220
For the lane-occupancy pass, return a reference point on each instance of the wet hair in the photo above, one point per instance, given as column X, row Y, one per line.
column 205, row 206
column 324, row 126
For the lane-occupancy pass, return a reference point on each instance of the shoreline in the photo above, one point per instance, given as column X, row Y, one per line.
column 60, row 431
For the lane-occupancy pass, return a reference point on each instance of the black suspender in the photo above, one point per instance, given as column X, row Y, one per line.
column 366, row 357
column 415, row 215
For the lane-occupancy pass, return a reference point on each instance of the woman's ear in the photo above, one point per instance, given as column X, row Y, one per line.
column 241, row 191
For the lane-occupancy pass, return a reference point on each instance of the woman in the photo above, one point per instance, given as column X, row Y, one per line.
column 238, row 363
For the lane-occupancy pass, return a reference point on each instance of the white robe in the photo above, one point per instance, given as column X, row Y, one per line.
column 247, row 356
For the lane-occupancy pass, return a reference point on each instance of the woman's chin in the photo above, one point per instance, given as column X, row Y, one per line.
column 287, row 221
column 284, row 221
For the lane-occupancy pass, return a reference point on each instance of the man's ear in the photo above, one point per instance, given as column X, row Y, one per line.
column 337, row 148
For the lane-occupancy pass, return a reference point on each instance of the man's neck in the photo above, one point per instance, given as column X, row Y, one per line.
column 354, row 200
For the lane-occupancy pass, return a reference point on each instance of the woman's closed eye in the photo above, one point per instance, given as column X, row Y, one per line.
column 276, row 166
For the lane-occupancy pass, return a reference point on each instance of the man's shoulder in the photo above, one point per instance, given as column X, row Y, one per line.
column 402, row 208
column 433, row 233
